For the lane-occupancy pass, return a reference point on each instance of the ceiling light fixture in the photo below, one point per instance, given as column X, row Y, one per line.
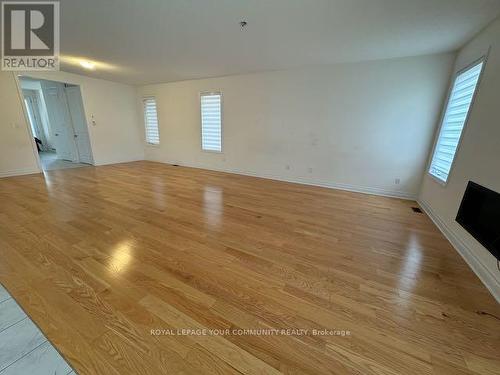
column 87, row 64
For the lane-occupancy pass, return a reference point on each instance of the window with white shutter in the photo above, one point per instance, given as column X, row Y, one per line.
column 151, row 121
column 454, row 120
column 211, row 122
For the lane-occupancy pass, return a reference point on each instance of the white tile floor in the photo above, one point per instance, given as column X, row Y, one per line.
column 23, row 347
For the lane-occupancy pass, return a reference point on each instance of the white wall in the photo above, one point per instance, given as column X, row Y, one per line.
column 16, row 147
column 477, row 159
column 117, row 133
column 357, row 126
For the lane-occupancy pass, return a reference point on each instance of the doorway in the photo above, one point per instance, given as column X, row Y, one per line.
column 57, row 123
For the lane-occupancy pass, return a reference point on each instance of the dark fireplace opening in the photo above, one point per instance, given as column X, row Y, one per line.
column 479, row 214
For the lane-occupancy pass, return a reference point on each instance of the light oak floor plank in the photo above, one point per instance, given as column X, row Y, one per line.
column 100, row 256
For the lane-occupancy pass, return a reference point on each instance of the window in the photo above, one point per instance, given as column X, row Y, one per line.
column 151, row 121
column 211, row 122
column 454, row 120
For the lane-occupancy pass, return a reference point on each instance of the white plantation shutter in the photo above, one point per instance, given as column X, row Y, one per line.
column 151, row 121
column 455, row 117
column 211, row 122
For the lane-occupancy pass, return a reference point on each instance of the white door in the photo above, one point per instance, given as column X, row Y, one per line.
column 80, row 128
column 60, row 120
column 31, row 101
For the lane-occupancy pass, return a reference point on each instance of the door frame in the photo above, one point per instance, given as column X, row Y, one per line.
column 27, row 122
column 26, row 119
column 60, row 118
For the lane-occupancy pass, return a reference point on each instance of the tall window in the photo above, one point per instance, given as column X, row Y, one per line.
column 151, row 121
column 454, row 120
column 211, row 122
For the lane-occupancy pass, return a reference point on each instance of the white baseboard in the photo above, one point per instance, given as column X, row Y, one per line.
column 329, row 185
column 19, row 172
column 485, row 275
column 118, row 161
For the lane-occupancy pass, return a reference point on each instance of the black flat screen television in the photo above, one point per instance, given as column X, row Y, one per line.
column 479, row 214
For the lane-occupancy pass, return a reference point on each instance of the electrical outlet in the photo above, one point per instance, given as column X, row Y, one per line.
column 287, row 167
column 397, row 181
column 310, row 170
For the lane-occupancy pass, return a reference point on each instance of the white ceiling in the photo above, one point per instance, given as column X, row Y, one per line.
column 153, row 41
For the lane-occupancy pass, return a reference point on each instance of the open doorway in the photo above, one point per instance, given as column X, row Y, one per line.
column 57, row 122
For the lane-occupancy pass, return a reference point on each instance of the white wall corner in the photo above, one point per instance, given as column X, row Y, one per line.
column 491, row 282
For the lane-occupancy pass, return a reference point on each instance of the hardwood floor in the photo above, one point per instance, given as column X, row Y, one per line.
column 100, row 257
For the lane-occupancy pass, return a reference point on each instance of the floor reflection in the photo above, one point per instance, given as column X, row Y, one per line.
column 121, row 257
column 412, row 263
column 212, row 205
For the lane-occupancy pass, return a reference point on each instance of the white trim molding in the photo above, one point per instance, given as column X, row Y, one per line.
column 20, row 172
column 118, row 161
column 487, row 278
column 330, row 185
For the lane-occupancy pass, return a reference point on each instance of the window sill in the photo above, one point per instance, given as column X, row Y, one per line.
column 437, row 180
